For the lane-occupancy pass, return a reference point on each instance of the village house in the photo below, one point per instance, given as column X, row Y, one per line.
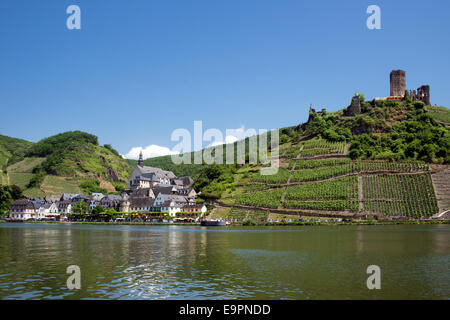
column 171, row 207
column 65, row 207
column 94, row 200
column 22, row 210
column 111, row 201
column 79, row 198
column 152, row 190
column 36, row 209
column 142, row 205
column 47, row 211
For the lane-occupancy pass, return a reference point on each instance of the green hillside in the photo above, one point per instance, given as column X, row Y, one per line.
column 388, row 160
column 71, row 162
column 11, row 151
column 381, row 162
column 441, row 114
column 193, row 170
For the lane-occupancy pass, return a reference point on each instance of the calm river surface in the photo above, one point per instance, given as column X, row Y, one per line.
column 183, row 262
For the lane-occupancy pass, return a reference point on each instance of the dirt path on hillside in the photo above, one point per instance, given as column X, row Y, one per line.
column 442, row 122
column 323, row 156
column 347, row 146
column 360, row 194
column 7, row 171
column 289, row 181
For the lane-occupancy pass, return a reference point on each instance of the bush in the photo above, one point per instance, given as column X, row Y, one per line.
column 91, row 185
column 36, row 180
column 284, row 139
column 110, row 148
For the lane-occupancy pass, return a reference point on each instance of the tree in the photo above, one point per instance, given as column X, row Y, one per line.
column 80, row 207
column 16, row 192
column 98, row 210
column 284, row 138
column 110, row 148
column 110, row 211
column 5, row 199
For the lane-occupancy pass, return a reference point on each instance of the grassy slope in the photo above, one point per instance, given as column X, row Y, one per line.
column 11, row 150
column 83, row 162
column 440, row 114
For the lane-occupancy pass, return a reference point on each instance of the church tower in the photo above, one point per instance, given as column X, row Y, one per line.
column 141, row 160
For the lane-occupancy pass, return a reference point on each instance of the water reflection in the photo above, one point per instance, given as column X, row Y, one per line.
column 172, row 262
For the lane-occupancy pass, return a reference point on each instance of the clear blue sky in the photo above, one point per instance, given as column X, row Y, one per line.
column 137, row 70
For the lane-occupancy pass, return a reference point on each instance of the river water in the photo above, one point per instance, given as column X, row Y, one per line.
column 191, row 262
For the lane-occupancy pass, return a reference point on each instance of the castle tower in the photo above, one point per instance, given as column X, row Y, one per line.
column 398, row 83
column 141, row 160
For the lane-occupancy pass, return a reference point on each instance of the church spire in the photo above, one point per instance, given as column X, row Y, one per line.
column 141, row 160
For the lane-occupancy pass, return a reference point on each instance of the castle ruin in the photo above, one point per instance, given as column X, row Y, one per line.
column 398, row 83
column 354, row 108
column 398, row 88
column 422, row 94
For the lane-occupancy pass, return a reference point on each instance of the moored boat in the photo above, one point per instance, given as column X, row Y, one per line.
column 214, row 223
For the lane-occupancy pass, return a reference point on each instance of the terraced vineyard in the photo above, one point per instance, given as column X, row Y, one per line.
column 236, row 215
column 330, row 205
column 293, row 151
column 315, row 147
column 265, row 199
column 342, row 188
column 258, row 215
column 400, row 195
column 342, row 185
column 310, row 164
column 281, row 177
column 314, row 170
column 320, row 147
column 335, row 195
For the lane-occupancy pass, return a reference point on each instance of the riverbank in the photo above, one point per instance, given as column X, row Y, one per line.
column 259, row 224
column 365, row 223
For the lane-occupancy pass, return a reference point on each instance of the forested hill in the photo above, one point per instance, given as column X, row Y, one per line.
column 70, row 162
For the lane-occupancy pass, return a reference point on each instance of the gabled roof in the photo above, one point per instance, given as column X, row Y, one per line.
column 51, row 199
column 68, row 196
column 142, row 192
column 185, row 191
column 148, row 177
column 112, row 197
column 159, row 172
column 97, row 196
column 141, row 202
column 164, row 189
column 64, row 204
column 22, row 202
column 187, row 181
column 173, row 197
